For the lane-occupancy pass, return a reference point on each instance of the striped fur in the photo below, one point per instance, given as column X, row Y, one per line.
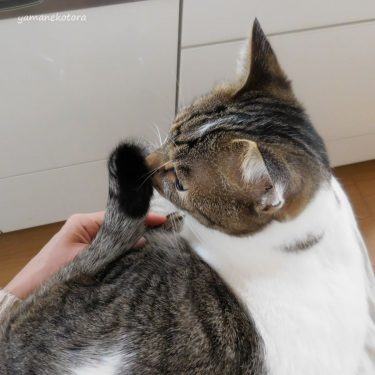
column 115, row 310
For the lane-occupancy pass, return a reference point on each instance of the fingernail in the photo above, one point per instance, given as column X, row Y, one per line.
column 157, row 215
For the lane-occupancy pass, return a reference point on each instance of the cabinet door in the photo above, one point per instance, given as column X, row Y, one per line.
column 333, row 73
column 212, row 21
column 69, row 91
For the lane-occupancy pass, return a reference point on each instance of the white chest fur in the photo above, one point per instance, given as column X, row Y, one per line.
column 103, row 364
column 310, row 306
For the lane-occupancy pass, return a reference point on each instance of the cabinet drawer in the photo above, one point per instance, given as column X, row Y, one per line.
column 333, row 77
column 52, row 195
column 69, row 92
column 211, row 21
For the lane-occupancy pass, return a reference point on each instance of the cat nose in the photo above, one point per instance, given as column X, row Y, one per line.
column 153, row 161
column 169, row 166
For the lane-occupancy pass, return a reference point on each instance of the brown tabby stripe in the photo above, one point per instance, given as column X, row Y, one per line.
column 258, row 117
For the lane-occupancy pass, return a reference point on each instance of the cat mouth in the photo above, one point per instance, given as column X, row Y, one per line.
column 157, row 184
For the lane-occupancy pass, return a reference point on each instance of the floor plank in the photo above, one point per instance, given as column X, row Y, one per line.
column 359, row 182
column 17, row 248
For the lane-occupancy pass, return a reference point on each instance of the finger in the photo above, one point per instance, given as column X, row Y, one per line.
column 98, row 217
column 92, row 223
column 153, row 219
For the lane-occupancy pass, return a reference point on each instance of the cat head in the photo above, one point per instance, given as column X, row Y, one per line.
column 246, row 153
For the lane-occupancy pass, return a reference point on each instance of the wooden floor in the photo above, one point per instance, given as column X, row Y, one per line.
column 359, row 182
column 16, row 248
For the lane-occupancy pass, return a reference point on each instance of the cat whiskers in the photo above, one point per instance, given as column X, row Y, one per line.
column 175, row 240
column 161, row 141
column 159, row 135
column 171, row 139
column 174, row 225
column 195, row 233
column 151, row 173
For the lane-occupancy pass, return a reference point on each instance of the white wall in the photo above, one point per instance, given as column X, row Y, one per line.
column 69, row 93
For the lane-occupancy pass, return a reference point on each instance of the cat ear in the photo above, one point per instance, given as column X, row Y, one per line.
column 261, row 70
column 267, row 194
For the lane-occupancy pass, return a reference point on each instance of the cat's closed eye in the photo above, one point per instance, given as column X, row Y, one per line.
column 179, row 185
column 171, row 170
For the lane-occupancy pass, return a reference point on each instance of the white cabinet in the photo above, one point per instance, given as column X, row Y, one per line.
column 333, row 73
column 211, row 21
column 69, row 91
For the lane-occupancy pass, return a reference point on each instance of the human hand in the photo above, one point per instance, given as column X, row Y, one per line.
column 74, row 236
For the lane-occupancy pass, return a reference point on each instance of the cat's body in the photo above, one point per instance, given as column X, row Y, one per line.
column 155, row 310
column 174, row 316
column 274, row 278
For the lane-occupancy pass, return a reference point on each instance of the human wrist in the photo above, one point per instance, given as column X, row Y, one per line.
column 18, row 288
column 30, row 277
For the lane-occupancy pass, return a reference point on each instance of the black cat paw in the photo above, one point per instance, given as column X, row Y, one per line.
column 129, row 181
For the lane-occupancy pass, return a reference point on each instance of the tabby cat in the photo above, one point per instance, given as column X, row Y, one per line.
column 269, row 276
